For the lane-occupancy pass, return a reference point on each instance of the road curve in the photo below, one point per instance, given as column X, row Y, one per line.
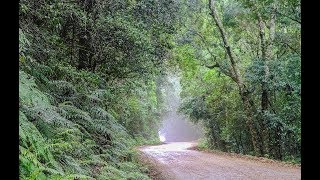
column 176, row 161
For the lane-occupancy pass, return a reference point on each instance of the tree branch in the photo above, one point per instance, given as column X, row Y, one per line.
column 235, row 75
column 293, row 19
column 212, row 66
column 216, row 65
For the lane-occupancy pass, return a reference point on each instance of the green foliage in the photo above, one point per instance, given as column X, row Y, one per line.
column 118, row 39
column 65, row 138
column 211, row 94
column 87, row 86
column 90, row 75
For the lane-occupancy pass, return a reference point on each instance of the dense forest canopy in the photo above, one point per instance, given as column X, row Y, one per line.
column 91, row 72
column 241, row 74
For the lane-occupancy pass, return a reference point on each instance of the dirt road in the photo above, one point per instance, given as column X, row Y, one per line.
column 177, row 161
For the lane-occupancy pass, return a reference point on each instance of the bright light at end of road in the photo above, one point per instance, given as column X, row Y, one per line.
column 162, row 138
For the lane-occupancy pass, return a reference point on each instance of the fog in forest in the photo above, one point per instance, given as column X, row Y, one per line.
column 175, row 126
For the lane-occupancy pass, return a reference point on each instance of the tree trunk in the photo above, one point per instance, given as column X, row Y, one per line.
column 257, row 146
column 214, row 138
column 85, row 39
column 266, row 55
column 72, row 43
column 277, row 144
column 264, row 85
column 238, row 79
column 85, row 50
column 82, row 50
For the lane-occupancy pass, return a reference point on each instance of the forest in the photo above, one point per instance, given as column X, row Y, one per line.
column 92, row 73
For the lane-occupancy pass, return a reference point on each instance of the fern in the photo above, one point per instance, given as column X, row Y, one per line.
column 62, row 90
column 32, row 141
column 67, row 135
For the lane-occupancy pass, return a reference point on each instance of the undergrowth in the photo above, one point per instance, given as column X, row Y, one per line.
column 67, row 132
